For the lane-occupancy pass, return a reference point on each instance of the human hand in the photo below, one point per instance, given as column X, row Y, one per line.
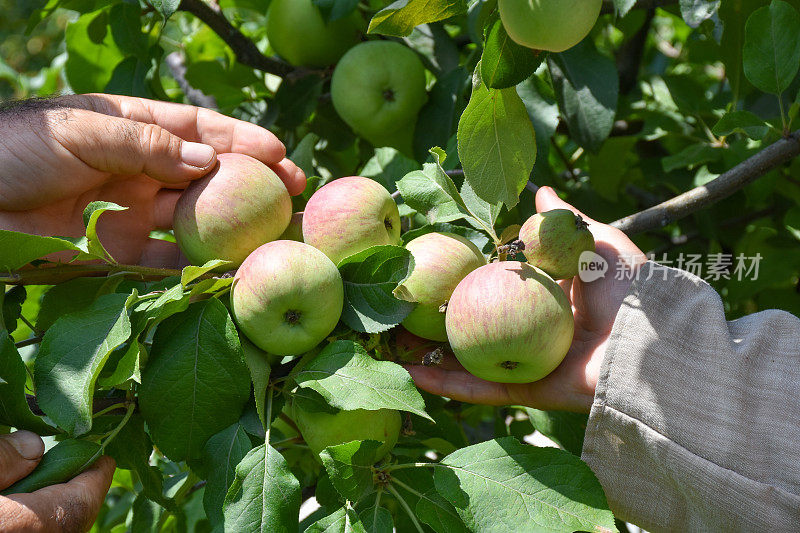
column 58, row 155
column 68, row 507
column 571, row 386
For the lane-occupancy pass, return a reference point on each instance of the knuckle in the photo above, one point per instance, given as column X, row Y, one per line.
column 72, row 516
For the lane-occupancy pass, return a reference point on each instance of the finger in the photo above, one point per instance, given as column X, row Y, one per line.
column 164, row 208
column 224, row 134
column 459, row 385
column 71, row 506
column 162, row 254
column 291, row 176
column 20, row 452
column 547, row 200
column 127, row 147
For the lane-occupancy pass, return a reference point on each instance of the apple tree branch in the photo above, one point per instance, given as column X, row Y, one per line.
column 725, row 185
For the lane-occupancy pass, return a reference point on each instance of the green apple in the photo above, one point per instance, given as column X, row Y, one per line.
column 287, row 297
column 554, row 241
column 299, row 34
column 554, row 25
column 321, row 430
column 378, row 88
column 294, row 231
column 227, row 214
column 509, row 322
column 441, row 261
column 349, row 215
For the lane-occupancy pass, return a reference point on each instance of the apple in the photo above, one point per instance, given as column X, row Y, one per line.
column 227, row 214
column 294, row 231
column 321, row 430
column 299, row 34
column 554, row 25
column 509, row 322
column 349, row 215
column 554, row 241
column 441, row 261
column 287, row 297
column 378, row 88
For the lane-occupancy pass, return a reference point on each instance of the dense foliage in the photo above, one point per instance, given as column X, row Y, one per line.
column 653, row 103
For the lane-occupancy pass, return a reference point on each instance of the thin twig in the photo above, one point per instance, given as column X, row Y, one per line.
column 50, row 275
column 725, row 185
column 245, row 49
column 176, row 62
column 28, row 342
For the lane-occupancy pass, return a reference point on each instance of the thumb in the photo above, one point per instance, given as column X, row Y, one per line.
column 128, row 147
column 20, row 452
column 547, row 200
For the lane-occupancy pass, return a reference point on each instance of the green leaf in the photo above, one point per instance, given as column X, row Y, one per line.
column 771, row 52
column 68, row 297
column 14, row 408
column 123, row 364
column 11, row 308
column 71, row 356
column 608, row 167
column 303, row 154
column 504, row 485
column 145, row 515
column 131, row 449
column 191, row 273
column 344, row 520
column 400, row 18
column 61, row 463
column 386, row 165
column 90, row 217
column 166, row 7
column 18, row 249
column 417, row 488
column 221, row 454
column 264, row 495
column 369, row 278
column 623, row 6
column 349, row 467
column 505, row 63
column 377, row 520
column 694, row 12
column 257, row 362
column 587, row 87
column 297, row 99
column 431, row 192
column 496, row 144
column 333, row 10
column 92, row 54
column 350, row 379
column 195, row 362
column 741, row 121
column 437, row 122
column 564, row 428
column 126, row 29
column 691, row 157
column 478, row 238
column 792, row 222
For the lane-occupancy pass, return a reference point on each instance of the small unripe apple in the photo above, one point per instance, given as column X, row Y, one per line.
column 349, row 215
column 227, row 214
column 441, row 261
column 509, row 322
column 378, row 88
column 321, row 430
column 287, row 297
column 294, row 231
column 553, row 25
column 554, row 241
column 299, row 34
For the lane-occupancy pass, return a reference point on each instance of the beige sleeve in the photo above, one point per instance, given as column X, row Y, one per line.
column 696, row 421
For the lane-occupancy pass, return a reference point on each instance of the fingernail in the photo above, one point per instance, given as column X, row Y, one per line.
column 28, row 444
column 197, row 154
